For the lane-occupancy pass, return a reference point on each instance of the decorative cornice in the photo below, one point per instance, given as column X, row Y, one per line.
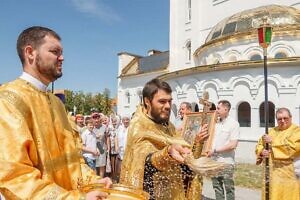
column 164, row 71
column 292, row 61
column 249, row 35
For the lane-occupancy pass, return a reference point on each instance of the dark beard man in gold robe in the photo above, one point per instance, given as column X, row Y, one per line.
column 155, row 153
column 40, row 155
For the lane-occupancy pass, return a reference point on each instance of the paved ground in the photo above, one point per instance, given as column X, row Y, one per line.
column 240, row 193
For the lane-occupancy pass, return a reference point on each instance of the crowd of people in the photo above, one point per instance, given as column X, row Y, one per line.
column 104, row 141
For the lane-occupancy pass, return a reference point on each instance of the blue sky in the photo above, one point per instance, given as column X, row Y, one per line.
column 93, row 33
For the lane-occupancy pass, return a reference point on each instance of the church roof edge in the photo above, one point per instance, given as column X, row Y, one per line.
column 293, row 61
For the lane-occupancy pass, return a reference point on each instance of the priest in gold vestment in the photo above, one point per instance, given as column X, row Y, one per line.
column 154, row 152
column 284, row 142
column 40, row 155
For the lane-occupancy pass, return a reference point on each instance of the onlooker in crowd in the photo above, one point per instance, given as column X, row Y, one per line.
column 90, row 150
column 87, row 119
column 284, row 149
column 79, row 120
column 185, row 108
column 105, row 121
column 39, row 156
column 121, row 143
column 99, row 130
column 112, row 133
column 118, row 118
column 223, row 150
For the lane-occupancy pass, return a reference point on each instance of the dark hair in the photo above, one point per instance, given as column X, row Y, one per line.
column 33, row 36
column 225, row 103
column 280, row 110
column 152, row 87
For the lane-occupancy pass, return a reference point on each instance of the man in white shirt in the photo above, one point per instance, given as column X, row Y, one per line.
column 223, row 150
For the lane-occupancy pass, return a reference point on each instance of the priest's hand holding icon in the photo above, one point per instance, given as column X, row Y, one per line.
column 203, row 133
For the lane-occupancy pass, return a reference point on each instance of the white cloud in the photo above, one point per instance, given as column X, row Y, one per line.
column 96, row 8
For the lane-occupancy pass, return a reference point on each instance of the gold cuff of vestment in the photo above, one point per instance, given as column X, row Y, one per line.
column 161, row 160
column 197, row 149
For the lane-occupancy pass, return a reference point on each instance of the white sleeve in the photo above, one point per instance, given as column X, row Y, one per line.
column 235, row 132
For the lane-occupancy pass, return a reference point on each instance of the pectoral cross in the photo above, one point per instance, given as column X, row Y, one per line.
column 206, row 106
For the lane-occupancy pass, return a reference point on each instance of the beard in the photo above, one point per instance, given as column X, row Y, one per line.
column 157, row 115
column 48, row 69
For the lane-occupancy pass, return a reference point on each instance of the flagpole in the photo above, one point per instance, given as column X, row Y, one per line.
column 264, row 37
column 266, row 103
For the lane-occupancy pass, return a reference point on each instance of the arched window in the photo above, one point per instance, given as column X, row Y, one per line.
column 140, row 95
column 244, row 114
column 189, row 10
column 271, row 114
column 127, row 95
column 188, row 51
column 195, row 107
column 232, row 58
column 213, row 107
column 280, row 55
column 255, row 57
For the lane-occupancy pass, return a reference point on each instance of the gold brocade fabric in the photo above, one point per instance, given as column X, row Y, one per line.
column 285, row 147
column 40, row 155
column 146, row 137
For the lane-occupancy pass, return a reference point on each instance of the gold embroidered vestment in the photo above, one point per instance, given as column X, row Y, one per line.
column 39, row 154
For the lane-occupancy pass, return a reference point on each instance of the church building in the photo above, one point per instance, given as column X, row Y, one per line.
column 214, row 47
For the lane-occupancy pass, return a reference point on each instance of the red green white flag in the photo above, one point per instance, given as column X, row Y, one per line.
column 264, row 36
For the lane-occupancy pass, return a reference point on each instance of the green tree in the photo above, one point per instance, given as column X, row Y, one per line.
column 98, row 102
column 69, row 100
column 84, row 103
column 88, row 103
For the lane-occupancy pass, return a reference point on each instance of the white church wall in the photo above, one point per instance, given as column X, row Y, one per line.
column 192, row 96
column 238, row 85
column 133, row 85
column 124, row 60
column 204, row 17
column 243, row 85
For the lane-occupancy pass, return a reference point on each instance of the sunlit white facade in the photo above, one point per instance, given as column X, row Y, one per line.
column 214, row 48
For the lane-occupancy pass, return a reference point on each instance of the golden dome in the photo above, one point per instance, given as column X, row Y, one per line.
column 245, row 21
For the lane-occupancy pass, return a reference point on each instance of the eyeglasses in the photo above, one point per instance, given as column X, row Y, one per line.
column 283, row 118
